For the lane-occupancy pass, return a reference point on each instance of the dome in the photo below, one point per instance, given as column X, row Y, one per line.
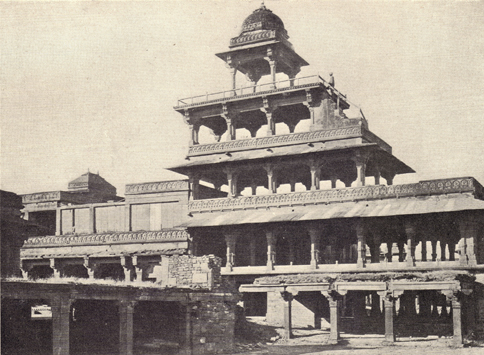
column 262, row 19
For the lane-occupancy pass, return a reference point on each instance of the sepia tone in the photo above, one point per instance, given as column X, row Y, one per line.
column 287, row 211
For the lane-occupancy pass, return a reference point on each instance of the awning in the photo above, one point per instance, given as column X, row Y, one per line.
column 375, row 208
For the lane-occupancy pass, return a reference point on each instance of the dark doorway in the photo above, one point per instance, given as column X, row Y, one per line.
column 26, row 327
column 94, row 327
column 159, row 327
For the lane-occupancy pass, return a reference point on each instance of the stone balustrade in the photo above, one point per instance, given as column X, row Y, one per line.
column 161, row 186
column 354, row 131
column 422, row 188
column 108, row 238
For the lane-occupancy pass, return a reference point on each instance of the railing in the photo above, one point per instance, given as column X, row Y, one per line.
column 95, row 239
column 282, row 85
column 421, row 188
column 150, row 187
column 280, row 140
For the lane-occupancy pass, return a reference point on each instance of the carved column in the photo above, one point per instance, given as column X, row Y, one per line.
column 232, row 182
column 92, row 219
column 334, row 314
column 288, row 297
column 334, row 179
column 360, row 162
column 194, row 181
column 126, row 311
column 194, row 130
column 456, row 316
column 127, row 267
column 58, row 221
column 272, row 64
column 411, row 231
column 269, row 111
column 433, row 243
column 468, row 228
column 389, row 178
column 230, row 240
column 424, row 247
column 271, row 178
column 90, row 267
column 389, row 305
column 361, row 248
column 138, row 267
column 315, row 174
column 61, row 310
column 271, row 253
column 314, row 234
column 377, row 175
column 56, row 266
column 230, row 119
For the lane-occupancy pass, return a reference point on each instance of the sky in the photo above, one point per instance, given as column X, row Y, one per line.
column 92, row 85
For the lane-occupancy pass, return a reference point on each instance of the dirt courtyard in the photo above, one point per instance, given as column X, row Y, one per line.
column 315, row 342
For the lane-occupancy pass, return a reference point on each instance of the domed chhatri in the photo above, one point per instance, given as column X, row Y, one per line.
column 262, row 19
column 262, row 48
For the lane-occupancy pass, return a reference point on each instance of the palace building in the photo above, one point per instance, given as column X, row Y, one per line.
column 292, row 202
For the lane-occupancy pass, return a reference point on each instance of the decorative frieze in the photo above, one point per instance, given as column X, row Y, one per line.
column 42, row 197
column 61, row 196
column 162, row 186
column 275, row 141
column 108, row 238
column 262, row 35
column 422, row 188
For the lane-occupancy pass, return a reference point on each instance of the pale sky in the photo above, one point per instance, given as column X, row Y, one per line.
column 93, row 84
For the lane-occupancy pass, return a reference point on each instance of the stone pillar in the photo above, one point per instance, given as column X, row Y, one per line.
column 230, row 240
column 388, row 303
column 194, row 130
column 58, row 221
column 288, row 297
column 61, row 310
column 377, row 175
column 56, row 267
column 253, row 188
column 90, row 266
column 334, row 179
column 411, row 231
column 315, row 175
column 389, row 252
column 271, row 178
column 360, row 162
column 456, row 316
column 314, row 234
column 25, row 268
column 127, row 217
column 334, row 315
column 138, row 268
column 424, row 248
column 390, row 178
column 92, row 219
column 434, row 249
column 232, row 182
column 126, row 311
column 468, row 228
column 271, row 253
column 361, row 248
column 194, row 181
column 272, row 64
column 233, row 73
column 127, row 267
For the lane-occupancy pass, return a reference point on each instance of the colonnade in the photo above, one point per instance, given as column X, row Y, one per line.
column 275, row 173
column 405, row 298
column 356, row 241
